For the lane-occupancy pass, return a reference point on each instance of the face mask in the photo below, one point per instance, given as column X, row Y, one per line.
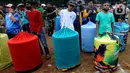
column 28, row 8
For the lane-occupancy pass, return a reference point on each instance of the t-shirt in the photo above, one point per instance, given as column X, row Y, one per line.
column 67, row 18
column 105, row 22
column 43, row 12
column 13, row 27
column 49, row 10
column 35, row 20
column 24, row 18
column 92, row 15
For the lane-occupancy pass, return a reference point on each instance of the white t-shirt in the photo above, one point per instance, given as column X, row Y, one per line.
column 67, row 18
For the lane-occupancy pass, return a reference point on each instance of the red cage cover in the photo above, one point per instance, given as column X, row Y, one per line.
column 25, row 51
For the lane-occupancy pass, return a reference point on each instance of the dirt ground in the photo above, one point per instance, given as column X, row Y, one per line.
column 86, row 66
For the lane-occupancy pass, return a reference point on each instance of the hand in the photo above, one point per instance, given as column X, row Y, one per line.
column 90, row 11
column 47, row 14
column 97, row 34
column 38, row 34
column 10, row 14
column 56, row 9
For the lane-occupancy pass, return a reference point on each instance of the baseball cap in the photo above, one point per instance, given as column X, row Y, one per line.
column 43, row 5
column 19, row 5
column 9, row 5
column 71, row 3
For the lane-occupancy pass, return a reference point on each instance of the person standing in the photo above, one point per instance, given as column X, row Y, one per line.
column 105, row 20
column 42, row 9
column 51, row 14
column 90, row 12
column 68, row 16
column 79, row 20
column 24, row 19
column 12, row 21
column 36, row 22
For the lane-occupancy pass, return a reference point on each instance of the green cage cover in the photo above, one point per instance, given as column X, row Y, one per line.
column 106, row 52
column 5, row 58
column 66, row 48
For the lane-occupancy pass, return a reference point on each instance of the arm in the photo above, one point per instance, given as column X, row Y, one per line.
column 51, row 12
column 97, row 10
column 55, row 10
column 112, row 27
column 74, row 17
column 12, row 17
column 97, row 26
column 85, row 13
column 80, row 18
column 113, row 21
column 127, row 10
column 61, row 18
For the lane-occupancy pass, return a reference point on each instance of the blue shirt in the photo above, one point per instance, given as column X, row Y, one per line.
column 92, row 15
column 77, row 21
column 24, row 18
column 13, row 27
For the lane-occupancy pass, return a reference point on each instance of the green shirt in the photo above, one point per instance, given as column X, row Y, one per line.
column 105, row 22
column 43, row 12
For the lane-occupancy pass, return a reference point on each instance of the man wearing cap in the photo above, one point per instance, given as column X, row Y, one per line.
column 68, row 16
column 12, row 21
column 24, row 19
